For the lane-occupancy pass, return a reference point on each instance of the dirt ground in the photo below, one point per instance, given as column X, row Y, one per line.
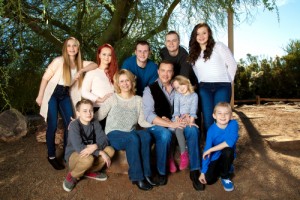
column 261, row 171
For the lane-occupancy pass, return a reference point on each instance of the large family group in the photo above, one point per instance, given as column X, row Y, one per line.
column 143, row 105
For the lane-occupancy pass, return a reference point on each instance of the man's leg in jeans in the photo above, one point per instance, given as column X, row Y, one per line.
column 162, row 137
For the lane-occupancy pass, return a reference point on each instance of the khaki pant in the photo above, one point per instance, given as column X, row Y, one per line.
column 78, row 165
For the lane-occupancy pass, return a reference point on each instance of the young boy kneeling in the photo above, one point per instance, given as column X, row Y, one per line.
column 219, row 150
column 87, row 150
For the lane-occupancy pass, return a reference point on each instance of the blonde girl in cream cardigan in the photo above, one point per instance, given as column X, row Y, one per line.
column 59, row 91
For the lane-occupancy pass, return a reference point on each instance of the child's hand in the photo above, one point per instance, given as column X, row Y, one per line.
column 105, row 157
column 206, row 154
column 202, row 178
column 90, row 148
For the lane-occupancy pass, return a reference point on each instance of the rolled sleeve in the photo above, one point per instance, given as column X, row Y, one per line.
column 148, row 106
column 52, row 67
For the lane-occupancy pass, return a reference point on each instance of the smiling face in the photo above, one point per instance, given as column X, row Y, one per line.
column 85, row 113
column 182, row 89
column 202, row 36
column 124, row 83
column 72, row 47
column 222, row 115
column 165, row 73
column 172, row 43
column 142, row 52
column 105, row 56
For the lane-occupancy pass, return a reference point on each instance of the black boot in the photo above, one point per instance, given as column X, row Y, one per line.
column 151, row 181
column 56, row 164
column 194, row 176
column 142, row 185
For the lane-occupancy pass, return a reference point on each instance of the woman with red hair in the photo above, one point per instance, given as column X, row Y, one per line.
column 98, row 85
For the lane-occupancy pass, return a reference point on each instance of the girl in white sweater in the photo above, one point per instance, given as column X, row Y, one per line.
column 215, row 68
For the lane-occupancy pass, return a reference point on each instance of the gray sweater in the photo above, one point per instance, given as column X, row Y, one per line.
column 75, row 142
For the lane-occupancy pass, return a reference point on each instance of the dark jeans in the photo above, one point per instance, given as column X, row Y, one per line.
column 137, row 147
column 60, row 101
column 210, row 95
column 162, row 139
column 220, row 167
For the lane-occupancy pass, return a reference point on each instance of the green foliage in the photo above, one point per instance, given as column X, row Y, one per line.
column 32, row 32
column 278, row 78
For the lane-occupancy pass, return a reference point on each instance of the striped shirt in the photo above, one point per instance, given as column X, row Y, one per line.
column 221, row 67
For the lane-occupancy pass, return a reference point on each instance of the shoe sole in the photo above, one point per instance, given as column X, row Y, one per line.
column 66, row 189
column 229, row 190
column 97, row 179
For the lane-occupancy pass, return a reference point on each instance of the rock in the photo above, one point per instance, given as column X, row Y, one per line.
column 13, row 125
column 59, row 135
column 119, row 163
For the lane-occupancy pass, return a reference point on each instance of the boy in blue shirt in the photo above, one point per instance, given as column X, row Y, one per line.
column 219, row 150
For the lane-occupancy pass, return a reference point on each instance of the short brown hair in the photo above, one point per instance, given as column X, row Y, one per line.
column 142, row 42
column 83, row 101
column 175, row 33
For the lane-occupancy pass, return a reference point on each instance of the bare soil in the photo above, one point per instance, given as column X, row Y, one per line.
column 261, row 171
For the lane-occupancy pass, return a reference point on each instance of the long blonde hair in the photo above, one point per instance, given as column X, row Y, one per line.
column 182, row 80
column 66, row 65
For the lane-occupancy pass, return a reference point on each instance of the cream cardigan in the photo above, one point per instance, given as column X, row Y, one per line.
column 52, row 74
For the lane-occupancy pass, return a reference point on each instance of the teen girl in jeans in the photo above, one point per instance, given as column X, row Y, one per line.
column 59, row 85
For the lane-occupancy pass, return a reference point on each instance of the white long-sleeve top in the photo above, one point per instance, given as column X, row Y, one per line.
column 96, row 84
column 221, row 67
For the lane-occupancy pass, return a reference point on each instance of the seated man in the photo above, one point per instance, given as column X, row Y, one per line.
column 158, row 108
column 143, row 68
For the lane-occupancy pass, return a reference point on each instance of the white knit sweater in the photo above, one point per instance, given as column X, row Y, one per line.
column 122, row 114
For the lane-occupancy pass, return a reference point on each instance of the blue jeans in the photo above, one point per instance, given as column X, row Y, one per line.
column 60, row 101
column 162, row 138
column 210, row 95
column 192, row 141
column 137, row 145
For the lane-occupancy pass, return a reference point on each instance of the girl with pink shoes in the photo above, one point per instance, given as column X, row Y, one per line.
column 185, row 109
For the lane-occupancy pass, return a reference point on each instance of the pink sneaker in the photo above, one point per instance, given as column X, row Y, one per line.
column 184, row 160
column 172, row 165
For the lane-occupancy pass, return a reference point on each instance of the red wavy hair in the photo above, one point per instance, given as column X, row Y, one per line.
column 113, row 66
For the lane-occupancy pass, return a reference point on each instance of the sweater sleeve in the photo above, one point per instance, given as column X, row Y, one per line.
column 229, row 60
column 87, row 87
column 74, row 136
column 101, row 138
column 176, row 105
column 52, row 67
column 105, row 107
column 194, row 105
column 232, row 133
